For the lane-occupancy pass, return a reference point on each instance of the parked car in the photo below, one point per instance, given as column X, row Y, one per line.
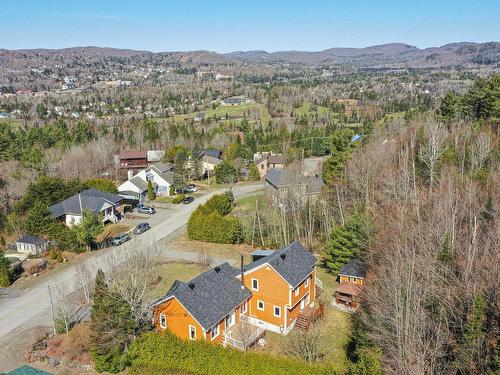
column 141, row 228
column 146, row 210
column 191, row 188
column 119, row 239
column 188, row 200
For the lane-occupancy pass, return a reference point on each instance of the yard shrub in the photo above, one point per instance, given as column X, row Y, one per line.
column 178, row 199
column 155, row 353
column 209, row 222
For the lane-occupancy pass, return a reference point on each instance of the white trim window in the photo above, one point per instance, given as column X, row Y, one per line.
column 163, row 321
column 277, row 311
column 192, row 332
column 255, row 284
column 307, row 281
column 244, row 308
column 215, row 331
column 296, row 291
column 260, row 305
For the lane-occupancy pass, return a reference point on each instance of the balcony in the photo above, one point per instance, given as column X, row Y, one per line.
column 243, row 335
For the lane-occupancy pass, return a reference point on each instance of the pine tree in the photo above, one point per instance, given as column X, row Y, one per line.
column 473, row 339
column 196, row 164
column 253, row 173
column 88, row 230
column 347, row 242
column 4, row 271
column 151, row 192
column 180, row 173
column 111, row 328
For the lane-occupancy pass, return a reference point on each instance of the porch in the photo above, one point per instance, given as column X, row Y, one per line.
column 243, row 334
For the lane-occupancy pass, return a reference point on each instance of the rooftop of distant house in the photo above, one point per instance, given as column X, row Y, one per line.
column 353, row 268
column 137, row 154
column 90, row 199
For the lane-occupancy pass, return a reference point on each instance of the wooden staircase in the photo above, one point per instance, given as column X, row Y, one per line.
column 308, row 316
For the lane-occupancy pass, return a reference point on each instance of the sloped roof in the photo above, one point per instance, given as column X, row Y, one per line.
column 213, row 153
column 211, row 160
column 163, row 167
column 284, row 177
column 214, row 295
column 292, row 262
column 32, row 240
column 354, row 268
column 139, row 182
column 276, row 159
column 348, row 288
column 90, row 199
column 133, row 155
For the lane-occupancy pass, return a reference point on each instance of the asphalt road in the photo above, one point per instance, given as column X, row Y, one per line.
column 32, row 307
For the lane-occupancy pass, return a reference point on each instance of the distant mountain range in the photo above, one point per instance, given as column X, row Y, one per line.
column 385, row 55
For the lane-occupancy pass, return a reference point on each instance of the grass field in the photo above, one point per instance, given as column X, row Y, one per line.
column 335, row 326
column 307, row 109
column 231, row 111
column 167, row 272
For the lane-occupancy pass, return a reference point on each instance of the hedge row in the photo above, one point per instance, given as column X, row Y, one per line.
column 209, row 222
column 155, row 353
column 178, row 199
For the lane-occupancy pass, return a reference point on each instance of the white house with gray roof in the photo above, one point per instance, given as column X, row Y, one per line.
column 161, row 176
column 71, row 210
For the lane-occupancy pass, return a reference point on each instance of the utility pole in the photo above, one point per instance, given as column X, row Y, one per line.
column 52, row 310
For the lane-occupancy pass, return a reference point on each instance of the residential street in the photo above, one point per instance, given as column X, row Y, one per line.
column 22, row 311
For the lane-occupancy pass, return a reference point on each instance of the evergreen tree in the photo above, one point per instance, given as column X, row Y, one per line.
column 102, row 184
column 111, row 328
column 88, row 230
column 347, row 242
column 196, row 164
column 253, row 173
column 471, row 351
column 180, row 172
column 444, row 254
column 151, row 192
column 38, row 219
column 225, row 173
column 4, row 271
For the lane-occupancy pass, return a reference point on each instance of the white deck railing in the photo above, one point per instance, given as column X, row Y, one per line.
column 319, row 283
column 238, row 344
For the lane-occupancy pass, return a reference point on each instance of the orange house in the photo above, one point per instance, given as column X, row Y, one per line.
column 268, row 294
column 352, row 278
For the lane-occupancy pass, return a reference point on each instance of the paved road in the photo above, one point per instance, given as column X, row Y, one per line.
column 32, row 307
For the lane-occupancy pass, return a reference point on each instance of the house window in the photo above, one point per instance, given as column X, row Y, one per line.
column 243, row 308
column 296, row 291
column 215, row 331
column 307, row 282
column 163, row 321
column 192, row 332
column 255, row 284
column 277, row 311
column 260, row 305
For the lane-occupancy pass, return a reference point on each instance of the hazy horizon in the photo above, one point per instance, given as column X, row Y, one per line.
column 228, row 26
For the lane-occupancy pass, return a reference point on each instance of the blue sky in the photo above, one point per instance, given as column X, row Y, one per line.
column 223, row 26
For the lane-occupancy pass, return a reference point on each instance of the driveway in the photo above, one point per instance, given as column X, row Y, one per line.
column 32, row 308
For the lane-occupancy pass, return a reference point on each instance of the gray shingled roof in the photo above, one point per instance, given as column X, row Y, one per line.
column 284, row 177
column 91, row 199
column 32, row 240
column 296, row 266
column 213, row 153
column 354, row 268
column 139, row 182
column 215, row 295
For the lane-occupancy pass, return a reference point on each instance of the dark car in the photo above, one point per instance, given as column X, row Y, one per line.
column 141, row 228
column 119, row 239
column 146, row 210
column 188, row 200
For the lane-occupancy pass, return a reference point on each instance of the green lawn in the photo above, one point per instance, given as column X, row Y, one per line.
column 164, row 199
column 335, row 326
column 307, row 109
column 247, row 204
column 231, row 111
column 167, row 272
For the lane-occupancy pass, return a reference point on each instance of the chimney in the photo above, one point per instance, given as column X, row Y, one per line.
column 217, row 269
column 283, row 256
column 130, row 174
column 242, row 281
column 191, row 286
